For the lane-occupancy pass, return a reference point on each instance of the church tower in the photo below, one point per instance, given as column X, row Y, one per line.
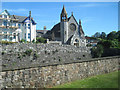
column 64, row 26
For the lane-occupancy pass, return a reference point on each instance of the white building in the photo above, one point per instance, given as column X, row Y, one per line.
column 15, row 28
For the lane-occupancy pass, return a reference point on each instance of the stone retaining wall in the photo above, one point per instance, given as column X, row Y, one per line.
column 19, row 55
column 48, row 76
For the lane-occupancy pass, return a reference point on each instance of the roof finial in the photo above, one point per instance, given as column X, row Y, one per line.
column 71, row 13
column 63, row 5
column 30, row 13
column 79, row 22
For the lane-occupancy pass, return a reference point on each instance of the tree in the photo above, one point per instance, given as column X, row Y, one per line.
column 112, row 35
column 97, row 35
column 22, row 40
column 118, row 35
column 103, row 35
column 40, row 40
column 105, row 43
column 119, row 38
column 97, row 51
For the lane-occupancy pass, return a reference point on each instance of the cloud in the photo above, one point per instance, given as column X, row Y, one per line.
column 91, row 5
column 88, row 19
column 17, row 10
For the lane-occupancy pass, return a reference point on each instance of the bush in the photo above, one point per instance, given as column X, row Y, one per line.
column 28, row 52
column 7, row 42
column 35, row 56
column 40, row 40
column 109, row 43
column 97, row 51
column 89, row 45
column 22, row 40
column 33, row 41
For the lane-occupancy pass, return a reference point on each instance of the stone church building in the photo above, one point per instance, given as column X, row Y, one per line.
column 67, row 31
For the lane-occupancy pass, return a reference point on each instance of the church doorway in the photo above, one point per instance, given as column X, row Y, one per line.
column 76, row 43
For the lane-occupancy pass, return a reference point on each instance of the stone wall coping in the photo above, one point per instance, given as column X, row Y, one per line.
column 62, row 63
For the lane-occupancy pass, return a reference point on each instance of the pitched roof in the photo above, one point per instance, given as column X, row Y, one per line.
column 56, row 27
column 29, row 19
column 6, row 12
column 40, row 31
column 20, row 18
column 63, row 10
column 73, row 18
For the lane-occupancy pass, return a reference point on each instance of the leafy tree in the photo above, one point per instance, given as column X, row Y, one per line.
column 117, row 35
column 115, row 43
column 105, row 43
column 97, row 35
column 22, row 40
column 119, row 38
column 33, row 41
column 112, row 35
column 40, row 40
column 103, row 35
column 97, row 51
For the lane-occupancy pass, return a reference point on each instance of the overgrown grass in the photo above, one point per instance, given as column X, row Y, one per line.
column 100, row 81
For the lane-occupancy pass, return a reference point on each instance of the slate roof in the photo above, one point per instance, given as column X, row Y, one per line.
column 56, row 30
column 73, row 18
column 40, row 31
column 63, row 10
column 21, row 18
column 29, row 19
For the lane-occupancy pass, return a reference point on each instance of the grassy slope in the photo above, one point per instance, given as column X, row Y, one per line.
column 100, row 81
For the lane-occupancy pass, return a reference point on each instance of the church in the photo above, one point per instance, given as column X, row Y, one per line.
column 67, row 31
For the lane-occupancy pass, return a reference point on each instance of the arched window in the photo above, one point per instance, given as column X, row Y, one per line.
column 76, row 40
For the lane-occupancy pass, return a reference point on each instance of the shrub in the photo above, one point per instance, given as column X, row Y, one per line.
column 35, row 56
column 3, row 53
column 40, row 40
column 33, row 41
column 28, row 52
column 97, row 51
column 89, row 45
column 7, row 42
column 22, row 40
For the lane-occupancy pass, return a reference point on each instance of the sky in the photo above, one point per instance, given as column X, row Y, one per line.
column 95, row 16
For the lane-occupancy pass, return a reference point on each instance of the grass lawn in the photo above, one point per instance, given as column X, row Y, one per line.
column 100, row 81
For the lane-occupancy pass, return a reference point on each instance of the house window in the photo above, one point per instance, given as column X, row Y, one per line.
column 10, row 32
column 28, row 25
column 0, row 22
column 65, row 32
column 25, row 35
column 5, row 36
column 19, row 26
column 5, row 23
column 14, row 24
column 11, row 38
column 0, row 37
column 5, row 16
column 76, row 40
column 29, row 35
column 5, row 32
column 14, row 36
column 25, row 26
